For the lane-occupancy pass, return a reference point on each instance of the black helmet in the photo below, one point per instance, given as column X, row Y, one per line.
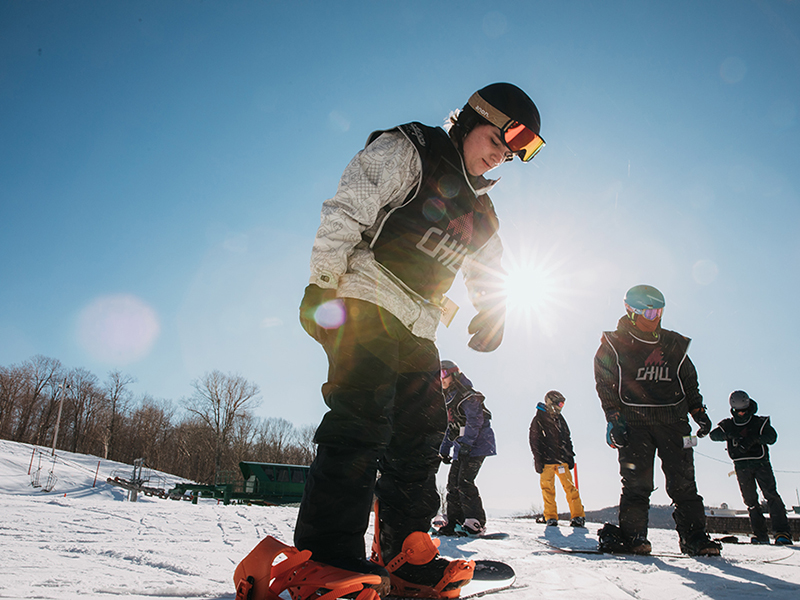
column 554, row 400
column 510, row 109
column 449, row 368
column 739, row 400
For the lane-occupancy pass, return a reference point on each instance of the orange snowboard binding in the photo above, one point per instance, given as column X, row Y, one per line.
column 259, row 577
column 419, row 549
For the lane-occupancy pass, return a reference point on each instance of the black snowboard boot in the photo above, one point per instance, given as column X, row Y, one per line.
column 612, row 540
column 699, row 544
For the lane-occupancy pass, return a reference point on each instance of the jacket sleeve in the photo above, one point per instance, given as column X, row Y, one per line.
column 691, row 387
column 606, row 377
column 473, row 411
column 385, row 171
column 534, row 436
column 484, row 274
column 718, row 434
column 768, row 435
column 569, row 452
column 446, row 445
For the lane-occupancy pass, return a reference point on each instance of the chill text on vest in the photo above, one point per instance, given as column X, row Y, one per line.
column 653, row 373
column 450, row 255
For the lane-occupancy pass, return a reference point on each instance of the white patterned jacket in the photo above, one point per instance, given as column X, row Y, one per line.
column 379, row 178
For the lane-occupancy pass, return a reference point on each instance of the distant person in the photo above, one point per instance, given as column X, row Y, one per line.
column 647, row 387
column 748, row 436
column 411, row 211
column 553, row 455
column 471, row 438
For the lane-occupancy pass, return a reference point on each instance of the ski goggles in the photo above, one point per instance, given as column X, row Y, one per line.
column 651, row 314
column 519, row 138
column 445, row 373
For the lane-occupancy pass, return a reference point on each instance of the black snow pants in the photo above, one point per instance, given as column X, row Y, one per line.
column 636, row 463
column 463, row 498
column 386, row 413
column 749, row 473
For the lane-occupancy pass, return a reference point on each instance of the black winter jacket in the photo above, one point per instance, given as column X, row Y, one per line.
column 647, row 378
column 747, row 438
column 550, row 440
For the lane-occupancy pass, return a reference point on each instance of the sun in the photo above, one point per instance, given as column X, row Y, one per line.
column 533, row 288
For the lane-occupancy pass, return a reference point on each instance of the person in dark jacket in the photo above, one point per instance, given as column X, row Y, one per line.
column 747, row 436
column 647, row 387
column 553, row 455
column 471, row 438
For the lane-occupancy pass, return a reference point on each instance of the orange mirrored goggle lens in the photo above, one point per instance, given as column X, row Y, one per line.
column 522, row 141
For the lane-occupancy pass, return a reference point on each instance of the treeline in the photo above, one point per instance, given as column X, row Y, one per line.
column 202, row 439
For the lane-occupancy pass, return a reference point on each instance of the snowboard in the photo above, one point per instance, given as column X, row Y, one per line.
column 596, row 551
column 495, row 535
column 490, row 576
column 460, row 533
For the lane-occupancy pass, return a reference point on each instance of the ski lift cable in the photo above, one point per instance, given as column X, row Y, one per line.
column 727, row 462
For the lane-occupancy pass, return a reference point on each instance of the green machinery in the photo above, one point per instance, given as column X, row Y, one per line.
column 264, row 483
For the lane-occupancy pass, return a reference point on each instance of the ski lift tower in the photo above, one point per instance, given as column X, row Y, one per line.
column 137, row 480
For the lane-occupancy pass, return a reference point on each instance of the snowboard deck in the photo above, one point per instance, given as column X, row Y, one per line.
column 490, row 576
column 596, row 551
column 494, row 535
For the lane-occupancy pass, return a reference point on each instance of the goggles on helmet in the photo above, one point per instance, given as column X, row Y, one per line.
column 520, row 139
column 445, row 373
column 651, row 314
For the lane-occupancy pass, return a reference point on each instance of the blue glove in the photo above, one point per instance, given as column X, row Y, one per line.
column 617, row 431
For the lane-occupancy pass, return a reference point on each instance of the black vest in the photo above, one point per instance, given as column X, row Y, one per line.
column 424, row 241
column 649, row 373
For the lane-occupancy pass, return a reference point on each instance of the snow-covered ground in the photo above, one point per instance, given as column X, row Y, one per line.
column 80, row 541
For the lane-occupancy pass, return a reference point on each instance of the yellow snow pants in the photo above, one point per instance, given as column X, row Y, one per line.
column 547, row 481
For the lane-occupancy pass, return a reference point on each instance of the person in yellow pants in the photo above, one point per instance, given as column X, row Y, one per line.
column 553, row 455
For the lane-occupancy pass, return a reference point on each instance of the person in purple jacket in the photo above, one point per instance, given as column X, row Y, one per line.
column 471, row 438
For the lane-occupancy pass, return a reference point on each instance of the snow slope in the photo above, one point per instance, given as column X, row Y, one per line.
column 79, row 541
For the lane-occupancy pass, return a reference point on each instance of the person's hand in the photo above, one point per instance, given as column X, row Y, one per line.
column 313, row 298
column 616, row 431
column 445, row 458
column 487, row 329
column 700, row 417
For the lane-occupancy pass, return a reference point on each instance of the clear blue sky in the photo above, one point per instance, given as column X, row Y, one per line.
column 162, row 167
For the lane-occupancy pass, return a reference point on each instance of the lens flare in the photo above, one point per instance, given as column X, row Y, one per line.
column 331, row 314
column 118, row 329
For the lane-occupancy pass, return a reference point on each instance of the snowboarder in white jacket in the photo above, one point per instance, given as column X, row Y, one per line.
column 410, row 212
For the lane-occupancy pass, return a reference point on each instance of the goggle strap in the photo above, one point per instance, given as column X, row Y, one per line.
column 497, row 118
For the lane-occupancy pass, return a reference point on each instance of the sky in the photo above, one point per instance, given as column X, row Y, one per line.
column 163, row 165
column 85, row 541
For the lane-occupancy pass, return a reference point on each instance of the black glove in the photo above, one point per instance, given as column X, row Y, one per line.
column 701, row 418
column 445, row 458
column 313, row 298
column 616, row 431
column 487, row 328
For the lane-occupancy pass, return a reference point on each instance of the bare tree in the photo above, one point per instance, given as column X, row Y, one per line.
column 12, row 386
column 218, row 400
column 39, row 373
column 118, row 396
column 85, row 401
